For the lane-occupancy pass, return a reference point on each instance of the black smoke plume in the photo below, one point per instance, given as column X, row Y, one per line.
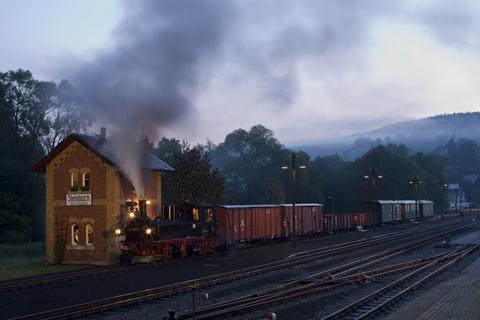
column 147, row 80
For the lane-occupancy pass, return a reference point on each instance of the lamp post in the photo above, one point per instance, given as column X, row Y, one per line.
column 470, row 198
column 373, row 179
column 293, row 158
column 416, row 184
column 444, row 187
column 332, row 199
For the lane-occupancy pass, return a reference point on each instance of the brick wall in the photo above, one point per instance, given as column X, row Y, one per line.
column 80, row 157
column 109, row 190
column 76, row 156
column 81, row 216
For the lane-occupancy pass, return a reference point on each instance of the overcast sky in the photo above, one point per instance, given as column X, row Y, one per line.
column 310, row 70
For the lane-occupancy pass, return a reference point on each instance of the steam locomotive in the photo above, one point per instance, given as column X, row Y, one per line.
column 194, row 233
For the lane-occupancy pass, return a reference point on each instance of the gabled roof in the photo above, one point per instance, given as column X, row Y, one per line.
column 104, row 149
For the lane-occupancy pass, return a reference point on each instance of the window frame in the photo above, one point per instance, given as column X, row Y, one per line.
column 73, row 241
column 74, row 181
column 89, row 235
column 209, row 215
column 85, row 178
column 196, row 215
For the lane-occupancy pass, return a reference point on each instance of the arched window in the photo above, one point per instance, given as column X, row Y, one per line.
column 74, row 181
column 85, row 181
column 75, row 235
column 89, row 234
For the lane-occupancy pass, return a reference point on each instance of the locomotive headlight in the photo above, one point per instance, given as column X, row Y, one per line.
column 148, row 231
column 131, row 215
column 118, row 231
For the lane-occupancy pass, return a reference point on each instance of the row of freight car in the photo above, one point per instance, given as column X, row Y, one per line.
column 247, row 223
column 394, row 211
column 238, row 223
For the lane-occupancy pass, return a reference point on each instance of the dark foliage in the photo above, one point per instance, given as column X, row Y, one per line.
column 194, row 179
column 34, row 116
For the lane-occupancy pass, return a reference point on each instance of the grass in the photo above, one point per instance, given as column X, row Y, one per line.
column 27, row 259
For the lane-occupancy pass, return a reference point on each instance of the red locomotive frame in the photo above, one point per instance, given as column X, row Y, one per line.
column 170, row 248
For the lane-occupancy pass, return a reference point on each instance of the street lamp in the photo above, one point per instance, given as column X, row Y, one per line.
column 373, row 179
column 332, row 199
column 443, row 187
column 416, row 184
column 293, row 158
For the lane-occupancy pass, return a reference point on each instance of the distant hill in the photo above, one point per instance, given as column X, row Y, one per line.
column 419, row 135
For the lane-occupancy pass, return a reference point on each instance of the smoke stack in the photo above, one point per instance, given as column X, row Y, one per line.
column 103, row 133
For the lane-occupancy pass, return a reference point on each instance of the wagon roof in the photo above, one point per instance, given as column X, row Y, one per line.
column 240, row 206
column 302, row 205
column 104, row 149
column 402, row 201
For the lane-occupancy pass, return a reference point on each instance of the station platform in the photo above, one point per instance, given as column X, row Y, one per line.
column 454, row 299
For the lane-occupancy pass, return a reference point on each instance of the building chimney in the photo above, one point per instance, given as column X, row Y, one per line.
column 103, row 133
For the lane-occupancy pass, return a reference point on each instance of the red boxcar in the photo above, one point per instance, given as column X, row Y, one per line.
column 345, row 221
column 309, row 219
column 247, row 223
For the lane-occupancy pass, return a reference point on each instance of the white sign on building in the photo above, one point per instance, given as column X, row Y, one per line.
column 79, row 199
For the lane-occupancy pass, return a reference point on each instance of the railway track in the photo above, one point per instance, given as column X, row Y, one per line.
column 50, row 279
column 374, row 303
column 101, row 305
column 36, row 281
column 324, row 281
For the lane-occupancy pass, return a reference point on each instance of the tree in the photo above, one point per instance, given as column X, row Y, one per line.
column 194, row 179
column 20, row 190
column 34, row 117
column 167, row 148
column 251, row 163
column 63, row 112
column 20, row 104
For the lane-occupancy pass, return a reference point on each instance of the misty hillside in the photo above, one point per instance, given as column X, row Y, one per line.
column 419, row 135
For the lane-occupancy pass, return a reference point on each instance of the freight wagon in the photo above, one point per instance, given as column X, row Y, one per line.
column 256, row 223
column 395, row 211
column 347, row 221
column 426, row 208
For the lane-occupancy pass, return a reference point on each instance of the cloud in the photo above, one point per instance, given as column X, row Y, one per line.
column 193, row 68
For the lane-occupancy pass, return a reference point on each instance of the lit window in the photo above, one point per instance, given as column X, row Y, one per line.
column 196, row 215
column 74, row 232
column 209, row 215
column 85, row 181
column 74, row 181
column 89, row 235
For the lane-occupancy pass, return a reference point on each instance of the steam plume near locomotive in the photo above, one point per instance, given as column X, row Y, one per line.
column 148, row 79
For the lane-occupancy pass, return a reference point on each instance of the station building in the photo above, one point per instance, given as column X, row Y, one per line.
column 86, row 195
